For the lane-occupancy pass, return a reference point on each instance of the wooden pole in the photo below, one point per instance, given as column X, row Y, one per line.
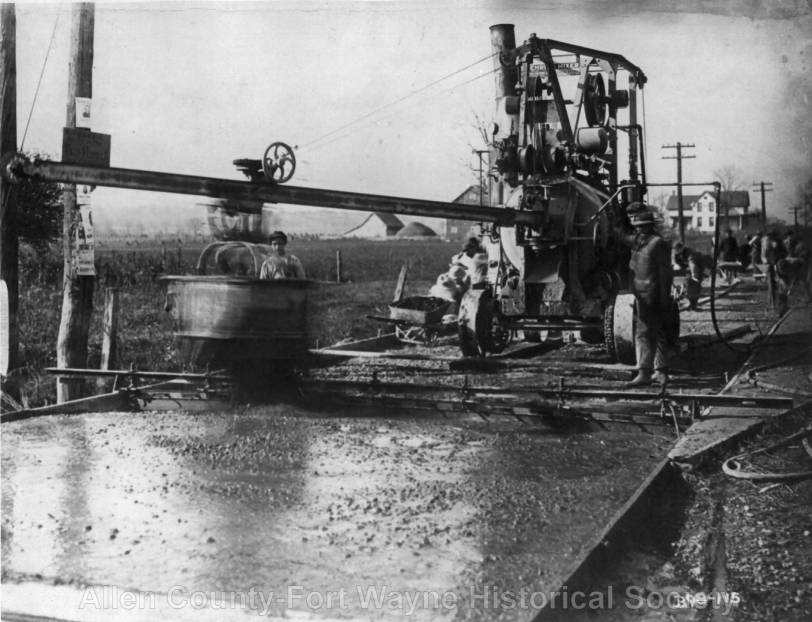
column 9, row 254
column 401, row 283
column 338, row 266
column 110, row 328
column 77, row 295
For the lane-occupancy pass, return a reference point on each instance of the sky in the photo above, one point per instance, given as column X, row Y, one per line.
column 188, row 87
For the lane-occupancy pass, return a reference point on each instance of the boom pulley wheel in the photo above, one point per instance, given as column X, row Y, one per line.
column 594, row 100
column 278, row 163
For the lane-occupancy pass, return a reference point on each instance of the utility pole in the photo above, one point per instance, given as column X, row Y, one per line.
column 77, row 292
column 679, row 157
column 763, row 187
column 479, row 153
column 795, row 209
column 9, row 259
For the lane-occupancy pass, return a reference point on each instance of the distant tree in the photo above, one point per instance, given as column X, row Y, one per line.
column 39, row 211
column 730, row 177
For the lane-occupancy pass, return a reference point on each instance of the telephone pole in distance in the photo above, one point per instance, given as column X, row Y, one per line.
column 762, row 185
column 679, row 157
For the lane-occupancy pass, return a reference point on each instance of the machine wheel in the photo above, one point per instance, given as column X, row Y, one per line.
column 480, row 330
column 618, row 328
column 278, row 163
column 595, row 100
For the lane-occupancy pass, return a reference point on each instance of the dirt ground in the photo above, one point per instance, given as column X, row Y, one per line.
column 449, row 517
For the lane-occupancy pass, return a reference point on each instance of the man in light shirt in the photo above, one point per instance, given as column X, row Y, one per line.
column 280, row 264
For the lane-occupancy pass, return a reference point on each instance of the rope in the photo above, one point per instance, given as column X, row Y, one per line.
column 397, row 101
column 39, row 82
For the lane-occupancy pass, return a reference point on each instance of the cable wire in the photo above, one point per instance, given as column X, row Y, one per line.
column 448, row 90
column 39, row 82
column 397, row 101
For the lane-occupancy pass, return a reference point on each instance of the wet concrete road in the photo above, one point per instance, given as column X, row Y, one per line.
column 457, row 512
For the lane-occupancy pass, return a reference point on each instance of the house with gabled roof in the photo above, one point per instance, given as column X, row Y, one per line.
column 376, row 225
column 699, row 212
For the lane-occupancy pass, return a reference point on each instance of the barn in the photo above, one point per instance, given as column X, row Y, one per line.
column 376, row 225
column 461, row 230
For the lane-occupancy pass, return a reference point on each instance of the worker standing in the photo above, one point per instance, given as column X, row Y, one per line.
column 755, row 250
column 474, row 259
column 691, row 262
column 281, row 264
column 729, row 255
column 774, row 252
column 652, row 277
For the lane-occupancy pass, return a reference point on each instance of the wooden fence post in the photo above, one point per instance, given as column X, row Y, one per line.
column 338, row 266
column 401, row 283
column 109, row 352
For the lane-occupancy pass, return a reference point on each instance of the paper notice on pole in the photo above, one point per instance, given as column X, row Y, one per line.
column 84, row 243
column 83, row 112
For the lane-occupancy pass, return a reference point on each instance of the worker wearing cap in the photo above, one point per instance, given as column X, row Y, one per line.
column 474, row 259
column 652, row 277
column 689, row 260
column 280, row 264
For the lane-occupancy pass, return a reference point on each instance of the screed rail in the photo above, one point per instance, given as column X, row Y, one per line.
column 20, row 167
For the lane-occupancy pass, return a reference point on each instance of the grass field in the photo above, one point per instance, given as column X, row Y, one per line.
column 369, row 272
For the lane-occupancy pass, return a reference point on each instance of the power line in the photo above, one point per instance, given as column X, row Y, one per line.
column 39, row 82
column 397, row 101
column 401, row 111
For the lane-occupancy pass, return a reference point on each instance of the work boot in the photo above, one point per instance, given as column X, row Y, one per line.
column 642, row 379
column 660, row 377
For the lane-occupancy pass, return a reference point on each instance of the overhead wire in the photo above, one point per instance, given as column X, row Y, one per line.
column 39, row 81
column 400, row 111
column 395, row 102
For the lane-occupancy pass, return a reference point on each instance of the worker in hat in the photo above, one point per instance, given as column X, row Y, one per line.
column 693, row 264
column 728, row 255
column 651, row 278
column 281, row 264
column 474, row 259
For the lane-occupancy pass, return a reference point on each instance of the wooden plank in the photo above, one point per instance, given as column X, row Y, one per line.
column 107, row 402
column 401, row 284
column 109, row 328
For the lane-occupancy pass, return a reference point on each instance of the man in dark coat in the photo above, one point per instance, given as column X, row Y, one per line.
column 652, row 277
column 728, row 256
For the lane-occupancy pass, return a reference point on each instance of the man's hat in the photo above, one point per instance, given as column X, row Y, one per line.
column 644, row 217
column 278, row 235
column 472, row 244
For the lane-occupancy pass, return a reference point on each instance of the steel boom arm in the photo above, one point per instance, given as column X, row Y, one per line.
column 20, row 167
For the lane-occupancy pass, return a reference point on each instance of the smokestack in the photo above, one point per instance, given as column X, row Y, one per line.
column 503, row 38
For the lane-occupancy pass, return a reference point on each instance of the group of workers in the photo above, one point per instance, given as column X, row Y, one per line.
column 786, row 262
column 652, row 267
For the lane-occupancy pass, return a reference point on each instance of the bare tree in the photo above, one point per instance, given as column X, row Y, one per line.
column 730, row 177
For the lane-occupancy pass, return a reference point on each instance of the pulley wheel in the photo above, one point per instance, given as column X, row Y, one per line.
column 594, row 99
column 278, row 163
